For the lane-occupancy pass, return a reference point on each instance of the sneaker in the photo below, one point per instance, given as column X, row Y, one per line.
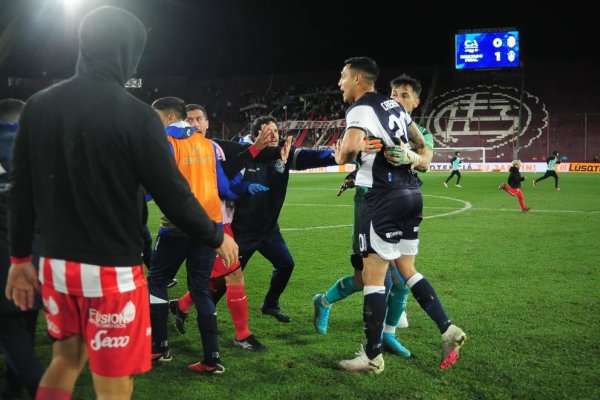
column 363, row 363
column 526, row 209
column 251, row 344
column 458, row 186
column 277, row 313
column 162, row 355
column 501, row 186
column 321, row 315
column 391, row 344
column 452, row 340
column 445, row 184
column 533, row 182
column 557, row 189
column 403, row 323
column 171, row 284
column 179, row 316
column 205, row 368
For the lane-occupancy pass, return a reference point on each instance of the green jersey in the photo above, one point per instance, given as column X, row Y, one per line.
column 552, row 161
column 455, row 163
column 427, row 136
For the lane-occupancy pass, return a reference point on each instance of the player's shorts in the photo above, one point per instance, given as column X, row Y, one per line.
column 390, row 222
column 115, row 326
column 219, row 269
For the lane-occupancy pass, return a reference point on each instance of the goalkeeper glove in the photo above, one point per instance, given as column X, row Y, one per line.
column 398, row 155
column 372, row 145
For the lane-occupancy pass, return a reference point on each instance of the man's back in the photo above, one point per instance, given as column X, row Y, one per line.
column 82, row 151
column 82, row 136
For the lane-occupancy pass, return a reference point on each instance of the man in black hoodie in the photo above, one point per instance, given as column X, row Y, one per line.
column 79, row 163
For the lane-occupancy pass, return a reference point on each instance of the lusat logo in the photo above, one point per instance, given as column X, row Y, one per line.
column 584, row 167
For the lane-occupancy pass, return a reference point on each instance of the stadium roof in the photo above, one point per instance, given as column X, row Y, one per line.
column 220, row 38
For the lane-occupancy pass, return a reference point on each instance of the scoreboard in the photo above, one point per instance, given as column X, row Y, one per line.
column 478, row 50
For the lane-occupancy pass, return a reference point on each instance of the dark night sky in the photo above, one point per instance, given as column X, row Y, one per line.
column 206, row 39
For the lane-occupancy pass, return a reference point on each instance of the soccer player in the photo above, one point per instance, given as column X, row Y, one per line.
column 514, row 184
column 391, row 210
column 255, row 222
column 551, row 161
column 196, row 157
column 80, row 163
column 455, row 163
column 237, row 301
column 24, row 370
column 405, row 90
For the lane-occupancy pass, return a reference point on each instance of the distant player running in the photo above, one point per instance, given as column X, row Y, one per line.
column 514, row 184
column 551, row 161
column 456, row 160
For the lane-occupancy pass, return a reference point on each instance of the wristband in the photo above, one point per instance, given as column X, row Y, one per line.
column 20, row 260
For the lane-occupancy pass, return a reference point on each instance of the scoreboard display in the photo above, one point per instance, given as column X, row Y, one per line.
column 479, row 50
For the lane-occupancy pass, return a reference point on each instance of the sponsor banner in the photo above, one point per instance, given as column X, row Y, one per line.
column 589, row 168
column 498, row 167
column 479, row 167
column 289, row 125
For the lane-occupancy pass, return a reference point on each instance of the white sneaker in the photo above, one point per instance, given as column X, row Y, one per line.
column 458, row 186
column 403, row 323
column 445, row 184
column 363, row 363
column 452, row 340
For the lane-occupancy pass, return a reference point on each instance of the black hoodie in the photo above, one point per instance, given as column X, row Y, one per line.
column 84, row 150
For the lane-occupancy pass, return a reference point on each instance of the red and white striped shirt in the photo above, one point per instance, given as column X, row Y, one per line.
column 86, row 280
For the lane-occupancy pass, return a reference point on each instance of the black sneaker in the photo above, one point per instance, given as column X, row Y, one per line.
column 162, row 354
column 251, row 344
column 179, row 315
column 277, row 313
column 171, row 284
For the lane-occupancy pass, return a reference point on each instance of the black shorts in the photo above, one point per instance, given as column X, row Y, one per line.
column 390, row 223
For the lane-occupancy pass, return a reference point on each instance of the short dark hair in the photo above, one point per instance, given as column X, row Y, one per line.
column 457, row 153
column 403, row 80
column 174, row 104
column 10, row 109
column 192, row 107
column 258, row 122
column 367, row 66
column 555, row 153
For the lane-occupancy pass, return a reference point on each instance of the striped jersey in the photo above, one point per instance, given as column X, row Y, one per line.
column 381, row 117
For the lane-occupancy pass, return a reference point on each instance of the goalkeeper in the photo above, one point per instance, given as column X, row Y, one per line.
column 405, row 90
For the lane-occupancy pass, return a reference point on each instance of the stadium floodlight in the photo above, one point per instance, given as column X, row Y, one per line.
column 134, row 83
column 70, row 5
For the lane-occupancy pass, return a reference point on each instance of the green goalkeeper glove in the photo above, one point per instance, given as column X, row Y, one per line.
column 398, row 155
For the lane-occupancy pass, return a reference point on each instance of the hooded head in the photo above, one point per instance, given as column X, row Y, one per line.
column 111, row 41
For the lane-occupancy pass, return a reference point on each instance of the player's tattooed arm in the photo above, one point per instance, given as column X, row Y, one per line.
column 415, row 138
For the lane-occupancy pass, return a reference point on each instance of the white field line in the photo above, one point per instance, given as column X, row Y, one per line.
column 466, row 207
